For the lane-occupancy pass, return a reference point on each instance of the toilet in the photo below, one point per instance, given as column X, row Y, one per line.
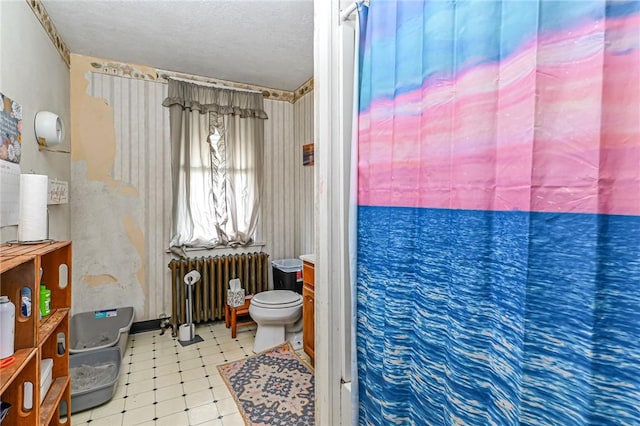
column 278, row 314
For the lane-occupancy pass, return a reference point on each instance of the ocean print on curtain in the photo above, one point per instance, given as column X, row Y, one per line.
column 499, row 213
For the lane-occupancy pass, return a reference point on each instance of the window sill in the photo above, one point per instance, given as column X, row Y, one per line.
column 219, row 251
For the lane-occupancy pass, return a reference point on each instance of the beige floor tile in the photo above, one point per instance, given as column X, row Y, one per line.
column 188, row 348
column 121, row 391
column 186, row 356
column 246, row 343
column 140, row 386
column 141, row 375
column 208, row 341
column 227, row 406
column 112, row 407
column 221, row 392
column 167, row 368
column 195, row 385
column 123, row 378
column 165, row 342
column 304, row 357
column 203, row 413
column 235, row 355
column 170, row 406
column 164, row 359
column 212, row 369
column 212, row 359
column 177, row 419
column 125, row 365
column 216, row 380
column 212, row 351
column 168, row 379
column 233, row 420
column 214, row 422
column 139, row 415
column 195, row 399
column 138, row 340
column 114, row 419
column 139, row 400
column 143, row 355
column 147, row 335
column 169, row 392
column 81, row 417
column 193, row 373
column 191, row 363
column 195, row 395
column 226, row 339
column 230, row 346
column 142, row 365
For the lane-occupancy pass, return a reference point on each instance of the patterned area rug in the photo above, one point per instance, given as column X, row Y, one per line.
column 274, row 387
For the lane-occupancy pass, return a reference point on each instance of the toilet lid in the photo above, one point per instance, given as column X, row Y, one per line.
column 280, row 298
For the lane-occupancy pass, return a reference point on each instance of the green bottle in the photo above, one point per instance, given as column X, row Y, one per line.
column 45, row 300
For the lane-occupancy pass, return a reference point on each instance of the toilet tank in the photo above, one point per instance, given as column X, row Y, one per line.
column 287, row 275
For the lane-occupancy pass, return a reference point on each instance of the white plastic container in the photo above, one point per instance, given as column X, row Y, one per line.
column 46, row 377
column 7, row 326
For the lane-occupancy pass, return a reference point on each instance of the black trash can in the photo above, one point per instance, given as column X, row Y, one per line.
column 287, row 275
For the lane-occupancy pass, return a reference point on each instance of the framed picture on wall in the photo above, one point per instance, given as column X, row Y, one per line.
column 307, row 154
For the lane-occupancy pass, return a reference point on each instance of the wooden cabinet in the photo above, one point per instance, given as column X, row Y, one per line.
column 308, row 309
column 26, row 267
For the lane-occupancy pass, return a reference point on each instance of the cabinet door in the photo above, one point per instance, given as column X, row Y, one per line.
column 308, row 316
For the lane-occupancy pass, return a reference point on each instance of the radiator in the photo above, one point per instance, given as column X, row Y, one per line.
column 210, row 292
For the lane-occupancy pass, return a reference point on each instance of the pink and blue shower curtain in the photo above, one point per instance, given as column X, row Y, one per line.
column 498, row 274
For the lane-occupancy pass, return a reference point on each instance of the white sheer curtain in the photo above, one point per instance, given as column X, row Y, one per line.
column 216, row 181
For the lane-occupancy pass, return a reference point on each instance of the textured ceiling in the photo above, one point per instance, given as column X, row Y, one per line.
column 267, row 43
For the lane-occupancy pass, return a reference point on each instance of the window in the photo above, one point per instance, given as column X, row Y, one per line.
column 217, row 156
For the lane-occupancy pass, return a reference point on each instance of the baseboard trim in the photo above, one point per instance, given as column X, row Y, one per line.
column 142, row 326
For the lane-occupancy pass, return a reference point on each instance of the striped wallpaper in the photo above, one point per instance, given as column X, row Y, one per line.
column 141, row 191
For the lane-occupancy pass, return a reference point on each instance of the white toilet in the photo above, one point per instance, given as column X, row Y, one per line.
column 278, row 314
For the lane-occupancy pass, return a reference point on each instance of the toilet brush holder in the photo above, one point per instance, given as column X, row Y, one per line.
column 187, row 332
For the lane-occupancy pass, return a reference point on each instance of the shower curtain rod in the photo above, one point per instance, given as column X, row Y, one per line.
column 346, row 13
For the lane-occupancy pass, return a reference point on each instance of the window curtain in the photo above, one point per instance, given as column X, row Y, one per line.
column 499, row 213
column 217, row 182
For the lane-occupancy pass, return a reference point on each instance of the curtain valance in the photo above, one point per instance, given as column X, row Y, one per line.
column 213, row 99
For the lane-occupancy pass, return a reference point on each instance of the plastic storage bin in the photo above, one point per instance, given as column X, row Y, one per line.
column 94, row 376
column 287, row 275
column 93, row 330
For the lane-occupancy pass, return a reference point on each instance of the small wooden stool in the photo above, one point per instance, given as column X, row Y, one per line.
column 231, row 315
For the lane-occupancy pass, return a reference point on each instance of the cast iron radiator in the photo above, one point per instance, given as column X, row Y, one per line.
column 210, row 292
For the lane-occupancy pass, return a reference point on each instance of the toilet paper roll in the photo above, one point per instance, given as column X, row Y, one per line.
column 32, row 215
column 186, row 332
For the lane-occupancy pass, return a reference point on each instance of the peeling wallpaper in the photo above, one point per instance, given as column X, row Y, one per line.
column 121, row 189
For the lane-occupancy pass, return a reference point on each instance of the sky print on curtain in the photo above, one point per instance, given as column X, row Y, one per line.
column 499, row 213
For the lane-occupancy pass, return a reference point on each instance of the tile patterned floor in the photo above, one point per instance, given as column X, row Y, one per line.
column 163, row 383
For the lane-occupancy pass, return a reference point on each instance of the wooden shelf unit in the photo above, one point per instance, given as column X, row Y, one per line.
column 308, row 309
column 35, row 338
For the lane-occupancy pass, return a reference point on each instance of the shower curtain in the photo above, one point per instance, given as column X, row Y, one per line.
column 498, row 276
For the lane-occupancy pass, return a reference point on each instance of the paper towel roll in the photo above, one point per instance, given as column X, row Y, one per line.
column 32, row 216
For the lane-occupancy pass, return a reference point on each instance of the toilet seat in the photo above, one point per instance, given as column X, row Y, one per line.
column 276, row 299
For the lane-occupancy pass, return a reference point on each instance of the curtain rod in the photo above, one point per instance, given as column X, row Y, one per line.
column 346, row 13
column 217, row 86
